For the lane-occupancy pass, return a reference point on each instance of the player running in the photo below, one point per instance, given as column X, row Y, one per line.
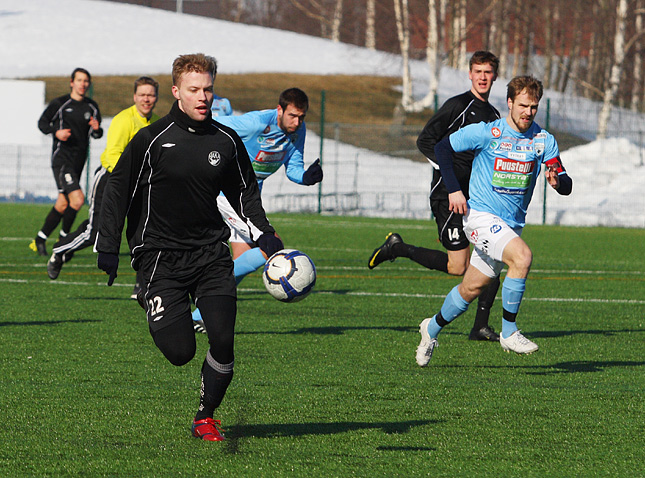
column 71, row 120
column 509, row 153
column 470, row 107
column 167, row 182
column 121, row 131
column 273, row 138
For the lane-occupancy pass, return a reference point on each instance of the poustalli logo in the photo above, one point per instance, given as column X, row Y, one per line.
column 214, row 158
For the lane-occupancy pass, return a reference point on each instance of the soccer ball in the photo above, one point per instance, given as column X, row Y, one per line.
column 289, row 275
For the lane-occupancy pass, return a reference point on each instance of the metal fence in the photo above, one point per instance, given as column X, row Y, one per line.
column 376, row 171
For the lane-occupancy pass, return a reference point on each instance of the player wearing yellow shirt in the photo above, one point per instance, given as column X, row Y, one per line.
column 122, row 129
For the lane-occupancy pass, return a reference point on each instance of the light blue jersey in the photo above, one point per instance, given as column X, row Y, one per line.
column 268, row 146
column 506, row 166
column 221, row 107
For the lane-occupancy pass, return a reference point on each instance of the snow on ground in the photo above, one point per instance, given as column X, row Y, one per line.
column 43, row 37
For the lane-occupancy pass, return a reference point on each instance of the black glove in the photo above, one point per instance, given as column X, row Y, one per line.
column 313, row 175
column 270, row 243
column 109, row 263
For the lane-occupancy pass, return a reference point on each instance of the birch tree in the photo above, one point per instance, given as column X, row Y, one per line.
column 637, row 85
column 335, row 24
column 402, row 16
column 620, row 50
column 370, row 22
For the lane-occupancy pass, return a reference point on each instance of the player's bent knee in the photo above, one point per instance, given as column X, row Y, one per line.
column 179, row 357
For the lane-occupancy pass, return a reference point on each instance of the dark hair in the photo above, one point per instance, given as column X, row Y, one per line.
column 532, row 85
column 81, row 70
column 197, row 62
column 482, row 57
column 146, row 80
column 295, row 97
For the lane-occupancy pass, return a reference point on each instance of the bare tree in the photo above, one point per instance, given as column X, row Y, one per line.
column 637, row 85
column 370, row 21
column 335, row 24
column 616, row 68
column 401, row 12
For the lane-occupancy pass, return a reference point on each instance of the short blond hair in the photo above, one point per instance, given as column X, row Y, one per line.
column 194, row 62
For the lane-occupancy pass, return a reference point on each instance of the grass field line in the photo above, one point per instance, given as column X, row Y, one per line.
column 399, row 269
column 354, row 293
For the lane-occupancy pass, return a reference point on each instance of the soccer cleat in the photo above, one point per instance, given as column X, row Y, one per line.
column 54, row 265
column 199, row 327
column 485, row 333
column 427, row 345
column 208, row 429
column 517, row 343
column 38, row 245
column 384, row 252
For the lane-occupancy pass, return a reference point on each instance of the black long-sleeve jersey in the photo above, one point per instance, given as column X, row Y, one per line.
column 454, row 114
column 62, row 113
column 167, row 182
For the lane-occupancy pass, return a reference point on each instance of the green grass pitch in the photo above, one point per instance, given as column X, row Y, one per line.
column 329, row 387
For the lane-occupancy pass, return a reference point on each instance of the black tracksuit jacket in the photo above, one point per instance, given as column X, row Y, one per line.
column 454, row 114
column 167, row 182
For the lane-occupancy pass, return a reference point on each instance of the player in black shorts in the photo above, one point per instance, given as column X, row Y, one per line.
column 71, row 120
column 167, row 182
column 457, row 112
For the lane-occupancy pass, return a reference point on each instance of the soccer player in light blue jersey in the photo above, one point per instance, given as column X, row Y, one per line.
column 221, row 107
column 273, row 138
column 509, row 154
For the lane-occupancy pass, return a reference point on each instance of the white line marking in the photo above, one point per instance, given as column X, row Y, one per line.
column 358, row 293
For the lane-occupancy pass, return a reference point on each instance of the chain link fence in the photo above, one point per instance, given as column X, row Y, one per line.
column 376, row 171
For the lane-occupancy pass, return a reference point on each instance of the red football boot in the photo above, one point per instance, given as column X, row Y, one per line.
column 208, row 429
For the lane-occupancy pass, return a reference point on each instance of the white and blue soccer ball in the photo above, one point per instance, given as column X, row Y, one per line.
column 289, row 275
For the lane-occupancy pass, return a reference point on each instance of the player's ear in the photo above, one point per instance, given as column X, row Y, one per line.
column 175, row 91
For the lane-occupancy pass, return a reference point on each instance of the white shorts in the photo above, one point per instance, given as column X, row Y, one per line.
column 240, row 230
column 489, row 235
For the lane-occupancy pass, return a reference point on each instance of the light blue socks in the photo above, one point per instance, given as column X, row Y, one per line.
column 512, row 293
column 248, row 262
column 453, row 306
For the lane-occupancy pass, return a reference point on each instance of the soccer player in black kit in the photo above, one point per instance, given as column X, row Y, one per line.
column 71, row 120
column 166, row 183
column 461, row 110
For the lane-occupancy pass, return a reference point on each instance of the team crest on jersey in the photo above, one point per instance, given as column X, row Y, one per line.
column 539, row 148
column 496, row 132
column 267, row 129
column 214, row 158
column 87, row 116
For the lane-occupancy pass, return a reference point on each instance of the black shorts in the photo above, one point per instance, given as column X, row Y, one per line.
column 172, row 277
column 449, row 225
column 67, row 178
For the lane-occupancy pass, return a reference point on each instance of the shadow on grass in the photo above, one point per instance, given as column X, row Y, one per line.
column 568, row 333
column 49, row 322
column 580, row 366
column 302, row 429
column 575, row 366
column 325, row 330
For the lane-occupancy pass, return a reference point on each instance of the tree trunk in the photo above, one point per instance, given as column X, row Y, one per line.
column 401, row 14
column 637, row 85
column 503, row 49
column 335, row 25
column 616, row 69
column 370, row 19
column 548, row 44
